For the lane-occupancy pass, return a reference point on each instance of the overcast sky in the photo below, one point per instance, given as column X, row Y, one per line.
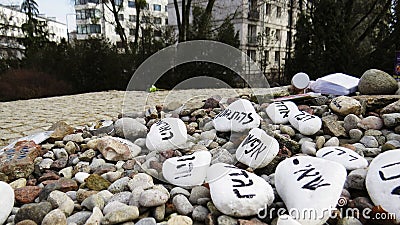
column 53, row 8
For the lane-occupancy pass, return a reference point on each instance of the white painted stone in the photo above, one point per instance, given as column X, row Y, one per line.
column 168, row 133
column 306, row 123
column 350, row 159
column 236, row 192
column 258, row 149
column 189, row 170
column 287, row 220
column 7, row 201
column 238, row 117
column 310, row 185
column 383, row 181
column 279, row 112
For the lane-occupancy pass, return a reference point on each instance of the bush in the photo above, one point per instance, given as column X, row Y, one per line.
column 25, row 84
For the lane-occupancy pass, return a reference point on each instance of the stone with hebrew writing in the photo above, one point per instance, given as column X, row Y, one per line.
column 17, row 161
column 279, row 112
column 6, row 200
column 168, row 133
column 257, row 149
column 236, row 192
column 188, row 170
column 383, row 181
column 305, row 123
column 238, row 117
column 305, row 182
column 350, row 159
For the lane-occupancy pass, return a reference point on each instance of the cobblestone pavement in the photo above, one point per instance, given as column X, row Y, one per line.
column 25, row 117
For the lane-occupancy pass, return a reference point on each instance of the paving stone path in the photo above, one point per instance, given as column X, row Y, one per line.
column 25, row 117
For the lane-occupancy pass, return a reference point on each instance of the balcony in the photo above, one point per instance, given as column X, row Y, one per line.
column 252, row 40
column 254, row 15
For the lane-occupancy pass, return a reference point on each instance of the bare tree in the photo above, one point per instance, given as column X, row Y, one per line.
column 115, row 7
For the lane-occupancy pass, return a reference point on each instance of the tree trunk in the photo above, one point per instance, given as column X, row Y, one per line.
column 206, row 17
column 186, row 17
column 183, row 20
column 137, row 24
column 178, row 19
column 119, row 28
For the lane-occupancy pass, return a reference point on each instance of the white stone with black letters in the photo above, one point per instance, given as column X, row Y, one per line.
column 188, row 170
column 168, row 133
column 238, row 116
column 257, row 149
column 279, row 112
column 6, row 200
column 350, row 159
column 306, row 123
column 383, row 181
column 305, row 183
column 236, row 192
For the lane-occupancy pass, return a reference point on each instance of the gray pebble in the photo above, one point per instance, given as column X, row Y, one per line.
column 179, row 190
column 119, row 185
column 227, row 220
column 309, row 148
column 79, row 218
column 122, row 197
column 146, row 221
column 182, row 205
column 200, row 213
column 93, row 201
column 356, row 179
column 156, row 196
column 355, row 134
column 369, row 142
column 199, row 192
column 333, row 141
column 113, row 206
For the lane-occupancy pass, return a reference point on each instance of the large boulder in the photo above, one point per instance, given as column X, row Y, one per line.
column 376, row 82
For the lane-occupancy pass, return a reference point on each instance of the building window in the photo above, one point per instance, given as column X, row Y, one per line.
column 121, row 17
column 132, row 31
column 268, row 9
column 278, row 12
column 88, row 29
column 157, row 20
column 157, row 7
column 118, row 2
column 94, row 29
column 252, row 54
column 131, row 4
column 277, row 56
column 166, row 8
column 166, row 21
column 278, row 35
column 86, row 14
column 80, row 14
column 132, row 18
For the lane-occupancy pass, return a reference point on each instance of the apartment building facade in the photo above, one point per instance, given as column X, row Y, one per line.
column 94, row 19
column 11, row 21
column 266, row 28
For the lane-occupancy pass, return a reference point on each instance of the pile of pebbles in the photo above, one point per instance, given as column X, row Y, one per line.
column 217, row 161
